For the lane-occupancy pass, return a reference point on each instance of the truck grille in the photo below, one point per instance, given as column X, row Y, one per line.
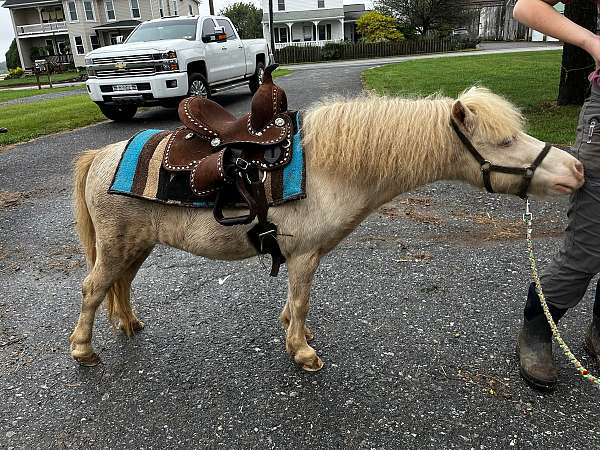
column 133, row 72
column 123, row 59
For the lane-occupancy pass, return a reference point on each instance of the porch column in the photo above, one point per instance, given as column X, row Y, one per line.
column 289, row 25
column 39, row 10
column 18, row 41
column 343, row 30
column 316, row 22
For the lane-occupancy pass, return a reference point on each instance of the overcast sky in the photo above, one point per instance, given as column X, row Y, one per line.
column 7, row 34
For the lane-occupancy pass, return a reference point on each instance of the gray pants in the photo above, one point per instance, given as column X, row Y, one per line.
column 566, row 279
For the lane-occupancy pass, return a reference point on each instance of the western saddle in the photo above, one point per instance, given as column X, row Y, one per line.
column 227, row 157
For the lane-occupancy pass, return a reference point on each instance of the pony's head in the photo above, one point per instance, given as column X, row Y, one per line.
column 495, row 128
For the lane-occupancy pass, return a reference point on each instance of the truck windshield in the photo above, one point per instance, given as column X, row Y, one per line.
column 160, row 31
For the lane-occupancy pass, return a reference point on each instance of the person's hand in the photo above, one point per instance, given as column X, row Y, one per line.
column 592, row 46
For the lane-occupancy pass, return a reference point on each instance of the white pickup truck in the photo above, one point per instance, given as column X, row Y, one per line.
column 165, row 60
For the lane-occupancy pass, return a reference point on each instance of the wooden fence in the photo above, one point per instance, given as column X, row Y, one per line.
column 294, row 54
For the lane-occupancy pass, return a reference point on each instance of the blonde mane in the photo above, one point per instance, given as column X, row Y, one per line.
column 378, row 136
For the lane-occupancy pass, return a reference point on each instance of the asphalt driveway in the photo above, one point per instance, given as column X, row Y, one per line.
column 415, row 316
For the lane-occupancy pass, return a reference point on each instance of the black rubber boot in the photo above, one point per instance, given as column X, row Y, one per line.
column 592, row 337
column 535, row 344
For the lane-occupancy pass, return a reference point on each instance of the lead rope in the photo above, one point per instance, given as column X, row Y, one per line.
column 585, row 374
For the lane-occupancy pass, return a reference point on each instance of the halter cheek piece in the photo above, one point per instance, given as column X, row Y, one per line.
column 487, row 167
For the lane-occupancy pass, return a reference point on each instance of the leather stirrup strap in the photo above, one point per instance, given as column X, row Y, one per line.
column 264, row 234
column 246, row 197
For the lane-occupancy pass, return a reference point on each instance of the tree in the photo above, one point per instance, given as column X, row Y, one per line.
column 247, row 19
column 376, row 27
column 427, row 16
column 12, row 56
column 576, row 63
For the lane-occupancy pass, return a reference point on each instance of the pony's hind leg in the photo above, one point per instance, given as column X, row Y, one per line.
column 110, row 278
column 301, row 270
column 95, row 287
column 120, row 306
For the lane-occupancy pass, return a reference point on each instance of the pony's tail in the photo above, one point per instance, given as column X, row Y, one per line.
column 83, row 220
column 118, row 297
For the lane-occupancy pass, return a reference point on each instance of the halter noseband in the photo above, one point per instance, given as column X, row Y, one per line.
column 487, row 167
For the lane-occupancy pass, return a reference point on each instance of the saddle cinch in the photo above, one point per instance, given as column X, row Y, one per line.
column 227, row 157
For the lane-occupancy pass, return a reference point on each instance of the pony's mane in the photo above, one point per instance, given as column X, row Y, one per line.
column 375, row 136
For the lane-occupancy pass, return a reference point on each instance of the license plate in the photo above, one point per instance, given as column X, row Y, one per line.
column 124, row 87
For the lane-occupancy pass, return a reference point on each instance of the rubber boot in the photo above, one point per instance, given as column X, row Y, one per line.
column 535, row 344
column 592, row 337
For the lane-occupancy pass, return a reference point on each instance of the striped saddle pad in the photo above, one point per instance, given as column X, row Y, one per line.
column 140, row 174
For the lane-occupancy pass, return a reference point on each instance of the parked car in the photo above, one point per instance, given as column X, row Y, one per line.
column 165, row 60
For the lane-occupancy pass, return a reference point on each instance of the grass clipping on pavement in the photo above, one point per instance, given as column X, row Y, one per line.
column 528, row 79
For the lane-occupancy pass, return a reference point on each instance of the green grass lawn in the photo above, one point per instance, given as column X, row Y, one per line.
column 529, row 79
column 31, row 80
column 281, row 72
column 6, row 95
column 31, row 120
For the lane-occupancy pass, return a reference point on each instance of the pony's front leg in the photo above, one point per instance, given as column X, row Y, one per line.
column 301, row 270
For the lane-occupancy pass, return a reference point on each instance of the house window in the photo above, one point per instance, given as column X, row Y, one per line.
column 174, row 8
column 135, row 9
column 307, row 33
column 320, row 3
column 72, row 11
column 191, row 10
column 281, row 35
column 50, row 47
column 113, row 38
column 110, row 9
column 280, row 5
column 88, row 7
column 325, row 32
column 228, row 29
column 63, row 48
column 94, row 41
column 161, row 8
column 79, row 45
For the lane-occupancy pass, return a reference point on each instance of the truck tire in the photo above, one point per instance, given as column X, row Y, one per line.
column 257, row 78
column 118, row 113
column 198, row 86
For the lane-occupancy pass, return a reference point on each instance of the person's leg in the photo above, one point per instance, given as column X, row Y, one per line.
column 566, row 279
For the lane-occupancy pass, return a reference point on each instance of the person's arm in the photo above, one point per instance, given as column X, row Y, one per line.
column 541, row 16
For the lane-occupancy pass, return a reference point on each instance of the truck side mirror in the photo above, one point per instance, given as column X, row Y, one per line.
column 218, row 35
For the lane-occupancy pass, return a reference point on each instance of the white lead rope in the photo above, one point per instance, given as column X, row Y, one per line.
column 585, row 374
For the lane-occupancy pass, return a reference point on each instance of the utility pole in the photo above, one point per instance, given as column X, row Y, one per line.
column 211, row 7
column 271, row 28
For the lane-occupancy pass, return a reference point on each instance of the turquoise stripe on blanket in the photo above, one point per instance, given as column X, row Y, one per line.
column 123, row 181
column 293, row 172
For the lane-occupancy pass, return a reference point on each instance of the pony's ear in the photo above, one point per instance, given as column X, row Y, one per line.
column 463, row 115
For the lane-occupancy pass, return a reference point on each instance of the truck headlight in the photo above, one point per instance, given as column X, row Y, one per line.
column 171, row 54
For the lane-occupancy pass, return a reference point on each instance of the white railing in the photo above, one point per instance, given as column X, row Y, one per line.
column 280, row 45
column 37, row 28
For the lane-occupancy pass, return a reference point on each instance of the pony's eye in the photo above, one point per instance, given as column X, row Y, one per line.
column 506, row 142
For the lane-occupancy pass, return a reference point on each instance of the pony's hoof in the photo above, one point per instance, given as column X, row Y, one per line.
column 316, row 365
column 308, row 359
column 88, row 361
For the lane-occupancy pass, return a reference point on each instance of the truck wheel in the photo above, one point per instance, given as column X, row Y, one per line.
column 198, row 86
column 118, row 113
column 257, row 78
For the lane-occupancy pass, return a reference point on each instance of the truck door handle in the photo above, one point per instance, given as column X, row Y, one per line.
column 223, row 48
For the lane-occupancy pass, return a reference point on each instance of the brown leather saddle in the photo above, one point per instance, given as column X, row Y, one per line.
column 227, row 157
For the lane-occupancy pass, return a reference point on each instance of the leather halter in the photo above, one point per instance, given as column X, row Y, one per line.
column 487, row 167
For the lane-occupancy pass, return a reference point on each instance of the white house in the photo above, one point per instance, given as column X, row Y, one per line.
column 65, row 30
column 311, row 22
